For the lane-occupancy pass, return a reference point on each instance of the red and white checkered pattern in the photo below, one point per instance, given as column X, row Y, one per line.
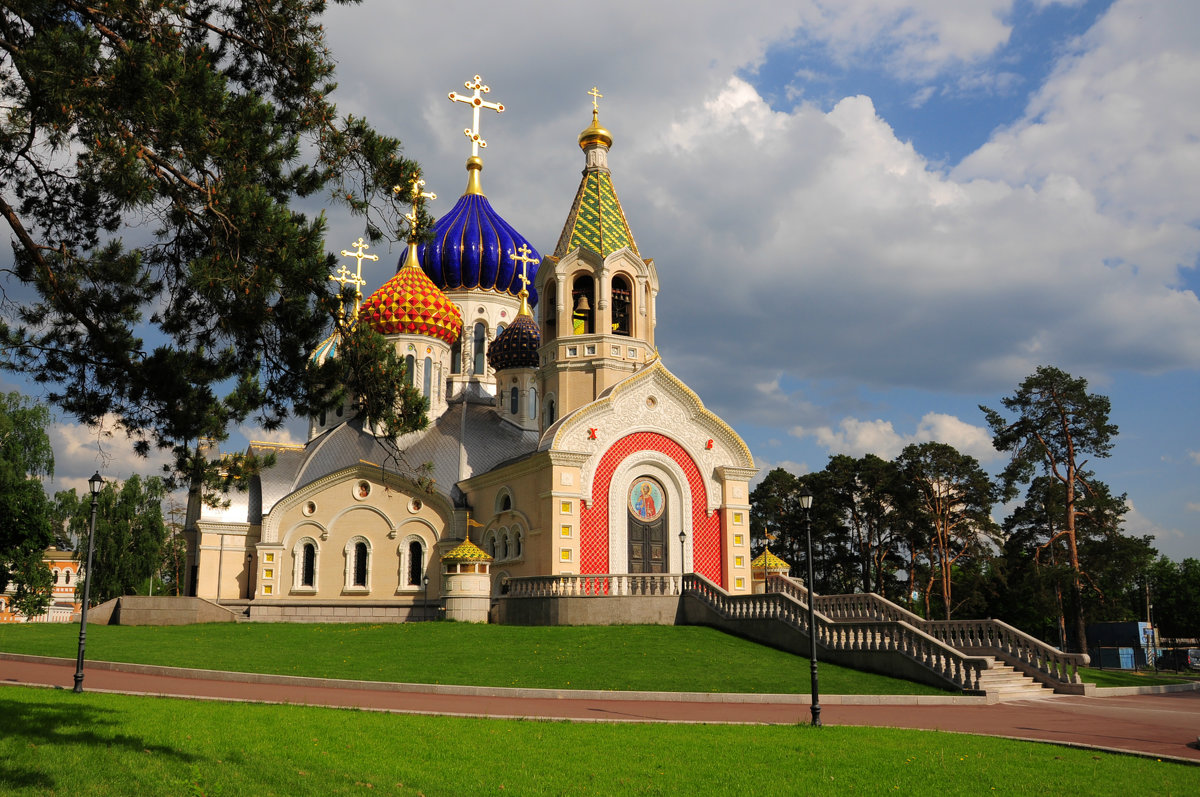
column 705, row 529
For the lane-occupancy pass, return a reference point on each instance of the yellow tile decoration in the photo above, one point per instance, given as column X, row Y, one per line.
column 738, row 539
column 740, row 583
column 566, row 531
column 565, row 507
column 737, row 518
column 739, row 561
column 269, row 557
column 564, row 554
column 267, row 589
column 268, row 573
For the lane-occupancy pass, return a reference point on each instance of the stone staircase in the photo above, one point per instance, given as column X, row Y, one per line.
column 1006, row 683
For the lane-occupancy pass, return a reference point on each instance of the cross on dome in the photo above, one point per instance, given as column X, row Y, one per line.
column 595, row 92
column 522, row 256
column 476, row 102
column 417, row 196
column 343, row 274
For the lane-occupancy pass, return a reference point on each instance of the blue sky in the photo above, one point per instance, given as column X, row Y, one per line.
column 868, row 216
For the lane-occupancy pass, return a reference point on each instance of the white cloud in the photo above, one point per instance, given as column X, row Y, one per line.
column 1193, row 506
column 80, row 451
column 858, row 437
column 1195, row 456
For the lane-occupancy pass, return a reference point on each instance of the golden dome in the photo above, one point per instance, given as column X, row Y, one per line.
column 466, row 551
column 769, row 561
column 595, row 134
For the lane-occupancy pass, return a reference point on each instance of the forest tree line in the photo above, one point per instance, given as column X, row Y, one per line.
column 921, row 531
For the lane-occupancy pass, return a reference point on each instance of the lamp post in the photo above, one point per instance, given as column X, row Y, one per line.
column 806, row 499
column 682, row 554
column 94, row 483
column 425, row 581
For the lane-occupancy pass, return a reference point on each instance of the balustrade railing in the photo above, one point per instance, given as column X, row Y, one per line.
column 785, row 604
column 861, row 622
column 1045, row 663
column 583, row 586
column 1011, row 644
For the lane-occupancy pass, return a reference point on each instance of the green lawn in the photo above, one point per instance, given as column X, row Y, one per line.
column 1092, row 675
column 56, row 742
column 640, row 658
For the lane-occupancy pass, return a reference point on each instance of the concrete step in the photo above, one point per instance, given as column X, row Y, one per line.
column 1007, row 683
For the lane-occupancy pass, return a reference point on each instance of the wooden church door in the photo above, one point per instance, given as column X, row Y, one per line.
column 647, row 527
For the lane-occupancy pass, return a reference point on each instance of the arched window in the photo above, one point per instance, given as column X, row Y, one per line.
column 489, row 544
column 533, row 403
column 308, row 577
column 410, row 365
column 427, row 378
column 55, row 576
column 505, row 502
column 583, row 309
column 501, row 545
column 519, row 536
column 514, row 400
column 549, row 411
column 456, row 356
column 622, row 306
column 304, row 565
column 480, row 336
column 549, row 312
column 66, row 576
column 358, row 564
column 499, row 329
column 416, row 563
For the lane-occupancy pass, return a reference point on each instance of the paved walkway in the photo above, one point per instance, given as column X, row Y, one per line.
column 1166, row 726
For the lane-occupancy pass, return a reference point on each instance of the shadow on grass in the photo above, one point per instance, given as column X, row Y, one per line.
column 51, row 723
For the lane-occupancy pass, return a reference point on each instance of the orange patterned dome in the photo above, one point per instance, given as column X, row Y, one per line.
column 410, row 304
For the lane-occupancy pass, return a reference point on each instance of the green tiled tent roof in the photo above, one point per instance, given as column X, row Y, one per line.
column 596, row 220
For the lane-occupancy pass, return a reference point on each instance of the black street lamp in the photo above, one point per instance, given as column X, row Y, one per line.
column 682, row 555
column 425, row 581
column 806, row 499
column 94, row 483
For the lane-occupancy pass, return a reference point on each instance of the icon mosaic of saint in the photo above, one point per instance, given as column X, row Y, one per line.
column 646, row 500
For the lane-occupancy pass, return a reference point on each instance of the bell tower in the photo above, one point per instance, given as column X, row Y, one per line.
column 597, row 308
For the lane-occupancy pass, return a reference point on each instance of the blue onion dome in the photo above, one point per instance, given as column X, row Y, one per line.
column 472, row 246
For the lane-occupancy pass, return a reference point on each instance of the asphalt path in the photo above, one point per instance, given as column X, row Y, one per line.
column 1164, row 726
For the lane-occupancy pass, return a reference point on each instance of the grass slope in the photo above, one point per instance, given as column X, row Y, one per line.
column 55, row 742
column 642, row 658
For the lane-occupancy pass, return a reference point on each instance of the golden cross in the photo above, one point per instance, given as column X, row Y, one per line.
column 595, row 92
column 476, row 102
column 344, row 273
column 417, row 196
column 524, row 259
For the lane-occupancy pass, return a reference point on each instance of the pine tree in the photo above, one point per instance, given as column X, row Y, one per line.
column 151, row 154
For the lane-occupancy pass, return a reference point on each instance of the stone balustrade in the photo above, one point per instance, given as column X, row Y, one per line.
column 1039, row 660
column 897, row 636
column 584, row 586
column 986, row 637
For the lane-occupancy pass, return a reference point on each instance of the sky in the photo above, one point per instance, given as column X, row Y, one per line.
column 868, row 216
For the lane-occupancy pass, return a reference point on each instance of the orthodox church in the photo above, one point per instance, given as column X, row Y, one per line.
column 558, row 441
